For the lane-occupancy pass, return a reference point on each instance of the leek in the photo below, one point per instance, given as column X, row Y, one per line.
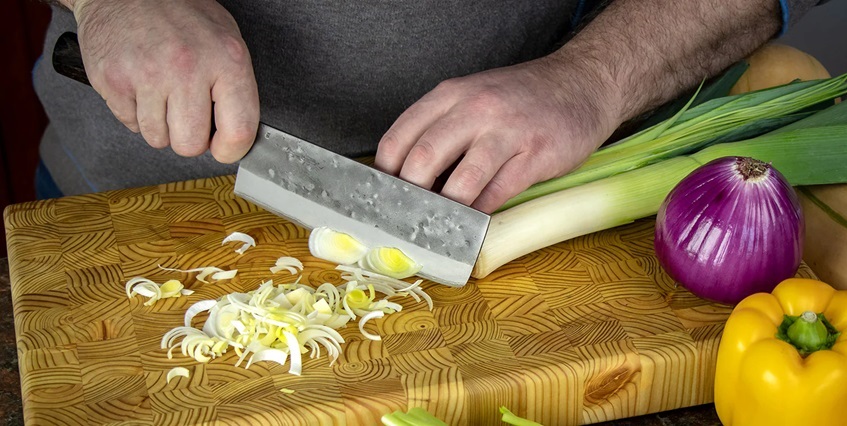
column 420, row 417
column 716, row 121
column 415, row 417
column 718, row 88
column 812, row 151
column 511, row 419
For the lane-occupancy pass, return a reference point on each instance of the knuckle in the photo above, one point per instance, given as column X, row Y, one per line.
column 471, row 176
column 421, row 154
column 390, row 143
column 542, row 146
column 236, row 49
column 122, row 115
column 499, row 187
column 241, row 135
column 447, row 86
column 117, row 79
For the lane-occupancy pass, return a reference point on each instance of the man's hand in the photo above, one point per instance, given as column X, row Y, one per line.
column 511, row 127
column 524, row 124
column 160, row 66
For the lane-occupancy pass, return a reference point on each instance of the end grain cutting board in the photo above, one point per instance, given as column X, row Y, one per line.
column 580, row 332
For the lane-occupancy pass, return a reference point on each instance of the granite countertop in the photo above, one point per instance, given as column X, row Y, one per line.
column 11, row 411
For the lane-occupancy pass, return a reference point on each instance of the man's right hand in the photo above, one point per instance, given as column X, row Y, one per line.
column 160, row 65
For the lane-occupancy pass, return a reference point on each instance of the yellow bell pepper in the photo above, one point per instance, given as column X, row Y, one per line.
column 782, row 359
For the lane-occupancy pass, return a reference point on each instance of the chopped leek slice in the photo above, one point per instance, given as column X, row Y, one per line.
column 389, row 261
column 216, row 273
column 290, row 264
column 367, row 317
column 241, row 237
column 177, row 371
column 153, row 291
column 336, row 247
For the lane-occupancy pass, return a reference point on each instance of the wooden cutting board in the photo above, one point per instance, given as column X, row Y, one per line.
column 584, row 331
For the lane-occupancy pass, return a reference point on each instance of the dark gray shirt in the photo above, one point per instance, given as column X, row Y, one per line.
column 334, row 73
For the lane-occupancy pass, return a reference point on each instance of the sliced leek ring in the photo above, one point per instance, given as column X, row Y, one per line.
column 389, row 261
column 290, row 264
column 336, row 247
column 241, row 237
column 177, row 372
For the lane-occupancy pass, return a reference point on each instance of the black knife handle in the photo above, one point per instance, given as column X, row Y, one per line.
column 67, row 58
column 67, row 61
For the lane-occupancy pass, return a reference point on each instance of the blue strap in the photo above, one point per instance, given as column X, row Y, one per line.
column 577, row 15
column 785, row 17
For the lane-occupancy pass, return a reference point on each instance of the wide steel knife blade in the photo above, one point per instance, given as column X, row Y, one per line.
column 315, row 187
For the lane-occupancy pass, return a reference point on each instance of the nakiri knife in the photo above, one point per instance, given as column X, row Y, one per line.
column 315, row 187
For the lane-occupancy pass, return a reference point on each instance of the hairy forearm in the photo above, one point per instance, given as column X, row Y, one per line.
column 646, row 52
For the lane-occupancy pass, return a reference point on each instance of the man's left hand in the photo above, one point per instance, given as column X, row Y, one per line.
column 509, row 127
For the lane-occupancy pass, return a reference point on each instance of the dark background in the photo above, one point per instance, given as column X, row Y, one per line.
column 22, row 25
column 822, row 33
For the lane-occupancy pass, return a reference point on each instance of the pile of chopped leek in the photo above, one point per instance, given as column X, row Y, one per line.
column 278, row 322
column 630, row 179
column 281, row 322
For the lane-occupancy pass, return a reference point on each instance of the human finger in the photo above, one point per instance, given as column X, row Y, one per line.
column 513, row 177
column 473, row 173
column 152, row 118
column 395, row 145
column 189, row 120
column 236, row 117
column 124, row 109
column 437, row 149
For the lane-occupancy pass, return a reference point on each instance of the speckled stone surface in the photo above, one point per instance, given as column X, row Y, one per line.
column 11, row 412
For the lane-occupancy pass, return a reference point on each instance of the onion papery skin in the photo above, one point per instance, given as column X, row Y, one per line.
column 724, row 237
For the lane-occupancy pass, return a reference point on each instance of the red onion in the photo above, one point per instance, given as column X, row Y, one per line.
column 731, row 228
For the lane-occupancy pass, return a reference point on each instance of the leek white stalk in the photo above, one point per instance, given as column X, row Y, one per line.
column 577, row 211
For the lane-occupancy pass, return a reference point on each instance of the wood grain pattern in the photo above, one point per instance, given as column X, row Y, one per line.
column 584, row 331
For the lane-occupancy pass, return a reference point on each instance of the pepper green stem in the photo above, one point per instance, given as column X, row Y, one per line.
column 808, row 332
